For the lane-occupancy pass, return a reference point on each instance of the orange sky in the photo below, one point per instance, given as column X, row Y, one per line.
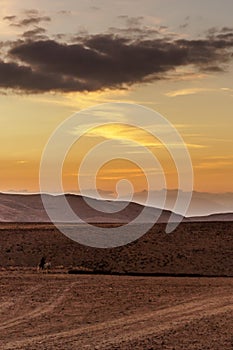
column 198, row 104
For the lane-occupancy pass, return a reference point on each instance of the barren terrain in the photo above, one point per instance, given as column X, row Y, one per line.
column 61, row 311
column 192, row 249
column 58, row 310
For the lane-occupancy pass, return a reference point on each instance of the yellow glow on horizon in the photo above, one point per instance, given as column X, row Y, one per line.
column 204, row 120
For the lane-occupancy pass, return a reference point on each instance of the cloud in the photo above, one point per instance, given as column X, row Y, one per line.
column 220, row 162
column 226, row 29
column 9, row 18
column 226, row 89
column 185, row 92
column 32, row 18
column 136, row 33
column 220, row 165
column 134, row 28
column 36, row 33
column 31, row 12
column 22, row 161
column 218, row 31
column 130, row 138
column 23, row 78
column 108, row 61
column 186, row 23
column 64, row 12
column 131, row 21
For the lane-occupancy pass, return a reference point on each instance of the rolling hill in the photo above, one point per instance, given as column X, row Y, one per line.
column 29, row 208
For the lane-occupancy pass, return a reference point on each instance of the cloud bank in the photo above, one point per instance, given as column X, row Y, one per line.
column 37, row 63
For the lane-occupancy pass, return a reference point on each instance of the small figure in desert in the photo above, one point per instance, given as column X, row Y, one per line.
column 43, row 265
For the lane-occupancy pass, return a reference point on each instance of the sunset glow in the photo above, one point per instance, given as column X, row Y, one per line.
column 195, row 94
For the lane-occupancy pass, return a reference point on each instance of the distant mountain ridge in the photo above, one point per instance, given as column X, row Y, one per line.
column 202, row 203
column 29, row 208
column 212, row 217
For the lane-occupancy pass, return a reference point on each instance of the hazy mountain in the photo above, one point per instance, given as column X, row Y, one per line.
column 202, row 203
column 29, row 208
column 212, row 217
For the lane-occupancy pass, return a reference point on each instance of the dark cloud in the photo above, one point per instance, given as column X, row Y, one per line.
column 23, row 79
column 135, row 29
column 227, row 29
column 186, row 23
column 212, row 31
column 136, row 33
column 36, row 33
column 96, row 62
column 31, row 17
column 226, row 36
column 31, row 20
column 219, row 31
column 9, row 18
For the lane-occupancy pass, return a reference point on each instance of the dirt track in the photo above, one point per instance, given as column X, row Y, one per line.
column 60, row 311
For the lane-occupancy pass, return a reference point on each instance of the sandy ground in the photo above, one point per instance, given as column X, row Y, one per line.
column 193, row 248
column 58, row 310
column 61, row 311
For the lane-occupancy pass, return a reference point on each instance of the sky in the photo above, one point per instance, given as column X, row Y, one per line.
column 172, row 56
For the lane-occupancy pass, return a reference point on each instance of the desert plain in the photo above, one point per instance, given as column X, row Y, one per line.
column 163, row 291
